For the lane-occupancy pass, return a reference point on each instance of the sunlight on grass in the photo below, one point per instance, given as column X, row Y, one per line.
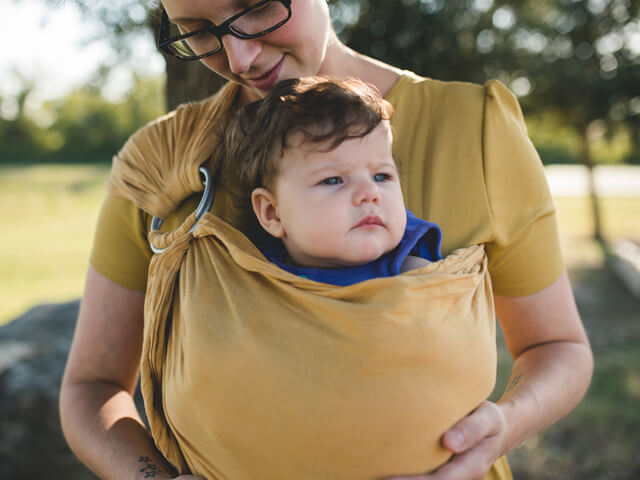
column 48, row 218
column 620, row 219
column 49, row 213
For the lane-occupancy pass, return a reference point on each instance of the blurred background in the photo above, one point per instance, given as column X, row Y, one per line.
column 77, row 78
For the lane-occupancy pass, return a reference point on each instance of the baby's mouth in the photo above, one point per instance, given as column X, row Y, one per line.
column 370, row 220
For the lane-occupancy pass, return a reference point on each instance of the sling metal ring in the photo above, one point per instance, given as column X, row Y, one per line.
column 203, row 207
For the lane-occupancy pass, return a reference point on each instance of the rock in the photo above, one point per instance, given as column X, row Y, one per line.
column 625, row 260
column 33, row 353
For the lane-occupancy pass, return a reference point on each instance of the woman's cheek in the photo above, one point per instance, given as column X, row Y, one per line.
column 306, row 34
column 219, row 64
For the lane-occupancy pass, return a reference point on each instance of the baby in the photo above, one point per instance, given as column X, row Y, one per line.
column 314, row 160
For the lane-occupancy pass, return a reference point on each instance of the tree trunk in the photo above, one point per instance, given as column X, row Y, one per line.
column 186, row 81
column 189, row 81
column 587, row 161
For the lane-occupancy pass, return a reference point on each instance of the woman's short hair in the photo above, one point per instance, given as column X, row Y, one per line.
column 316, row 110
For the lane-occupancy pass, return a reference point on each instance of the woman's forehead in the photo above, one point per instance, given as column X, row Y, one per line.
column 205, row 8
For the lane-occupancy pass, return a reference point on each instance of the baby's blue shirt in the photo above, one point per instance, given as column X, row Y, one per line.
column 421, row 239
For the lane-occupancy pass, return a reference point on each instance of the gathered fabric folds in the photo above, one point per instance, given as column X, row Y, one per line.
column 250, row 372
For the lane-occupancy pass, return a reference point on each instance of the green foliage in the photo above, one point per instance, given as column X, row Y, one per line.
column 577, row 59
column 559, row 142
column 589, row 68
column 80, row 126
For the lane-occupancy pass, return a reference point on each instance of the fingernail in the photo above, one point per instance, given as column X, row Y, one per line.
column 455, row 438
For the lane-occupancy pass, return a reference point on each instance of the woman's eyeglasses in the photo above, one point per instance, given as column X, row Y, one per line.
column 198, row 39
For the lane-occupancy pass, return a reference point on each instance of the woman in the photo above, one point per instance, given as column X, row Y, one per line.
column 467, row 165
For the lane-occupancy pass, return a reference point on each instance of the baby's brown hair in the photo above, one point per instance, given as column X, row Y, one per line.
column 320, row 109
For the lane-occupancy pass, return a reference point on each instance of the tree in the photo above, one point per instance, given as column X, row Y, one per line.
column 81, row 126
column 577, row 58
column 186, row 80
column 122, row 21
column 447, row 40
column 589, row 47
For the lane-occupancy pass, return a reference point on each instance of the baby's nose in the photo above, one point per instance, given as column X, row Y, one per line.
column 367, row 191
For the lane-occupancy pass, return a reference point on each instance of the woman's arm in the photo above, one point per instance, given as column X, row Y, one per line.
column 97, row 412
column 551, row 372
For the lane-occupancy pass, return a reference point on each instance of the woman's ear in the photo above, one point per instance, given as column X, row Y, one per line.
column 265, row 206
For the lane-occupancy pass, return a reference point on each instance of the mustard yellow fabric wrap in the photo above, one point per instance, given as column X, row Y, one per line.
column 249, row 372
column 252, row 373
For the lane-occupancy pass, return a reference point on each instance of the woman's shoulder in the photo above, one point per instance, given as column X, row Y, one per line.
column 413, row 86
column 413, row 94
column 442, row 113
column 447, row 114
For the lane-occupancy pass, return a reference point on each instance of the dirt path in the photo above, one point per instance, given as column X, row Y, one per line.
column 600, row 439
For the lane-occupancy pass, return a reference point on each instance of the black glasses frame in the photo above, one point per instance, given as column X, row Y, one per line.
column 164, row 41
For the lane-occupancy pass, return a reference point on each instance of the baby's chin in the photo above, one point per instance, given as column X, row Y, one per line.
column 336, row 262
column 348, row 257
column 370, row 252
column 360, row 258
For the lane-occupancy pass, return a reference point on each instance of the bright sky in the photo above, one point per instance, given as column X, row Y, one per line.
column 50, row 47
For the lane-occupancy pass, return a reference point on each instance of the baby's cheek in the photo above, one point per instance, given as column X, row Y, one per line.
column 401, row 218
column 325, row 241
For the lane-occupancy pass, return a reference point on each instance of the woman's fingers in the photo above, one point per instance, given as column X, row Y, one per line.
column 476, row 442
column 470, row 465
column 485, row 421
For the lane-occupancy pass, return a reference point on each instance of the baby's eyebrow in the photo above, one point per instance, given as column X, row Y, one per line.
column 332, row 167
column 386, row 163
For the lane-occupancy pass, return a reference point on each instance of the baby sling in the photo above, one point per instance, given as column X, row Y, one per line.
column 250, row 372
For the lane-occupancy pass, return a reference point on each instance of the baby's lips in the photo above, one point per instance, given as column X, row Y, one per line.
column 370, row 220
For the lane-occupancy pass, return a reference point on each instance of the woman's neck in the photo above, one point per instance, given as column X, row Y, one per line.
column 341, row 61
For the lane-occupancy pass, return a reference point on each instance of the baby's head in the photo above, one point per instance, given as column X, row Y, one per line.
column 314, row 161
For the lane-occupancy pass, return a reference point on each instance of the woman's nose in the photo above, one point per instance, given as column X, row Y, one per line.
column 240, row 53
column 366, row 191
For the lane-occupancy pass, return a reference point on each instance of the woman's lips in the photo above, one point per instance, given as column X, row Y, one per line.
column 370, row 221
column 269, row 79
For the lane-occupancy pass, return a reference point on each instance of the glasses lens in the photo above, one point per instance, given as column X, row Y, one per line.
column 259, row 20
column 194, row 46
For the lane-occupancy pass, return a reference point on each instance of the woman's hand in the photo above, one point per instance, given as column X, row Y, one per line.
column 551, row 372
column 476, row 441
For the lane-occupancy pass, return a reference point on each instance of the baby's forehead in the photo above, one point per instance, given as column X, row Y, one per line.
column 308, row 153
column 308, row 139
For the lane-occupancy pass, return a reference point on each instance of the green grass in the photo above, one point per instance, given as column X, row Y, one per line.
column 49, row 213
column 620, row 217
column 47, row 222
column 599, row 439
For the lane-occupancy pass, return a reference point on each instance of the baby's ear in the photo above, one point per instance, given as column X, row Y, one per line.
column 265, row 206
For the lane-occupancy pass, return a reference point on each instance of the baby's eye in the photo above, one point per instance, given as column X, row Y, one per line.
column 331, row 181
column 381, row 177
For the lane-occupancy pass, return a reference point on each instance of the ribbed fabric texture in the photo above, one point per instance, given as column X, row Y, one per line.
column 465, row 163
column 250, row 372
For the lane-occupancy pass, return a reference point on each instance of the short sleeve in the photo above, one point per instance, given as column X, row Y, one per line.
column 525, row 255
column 120, row 249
